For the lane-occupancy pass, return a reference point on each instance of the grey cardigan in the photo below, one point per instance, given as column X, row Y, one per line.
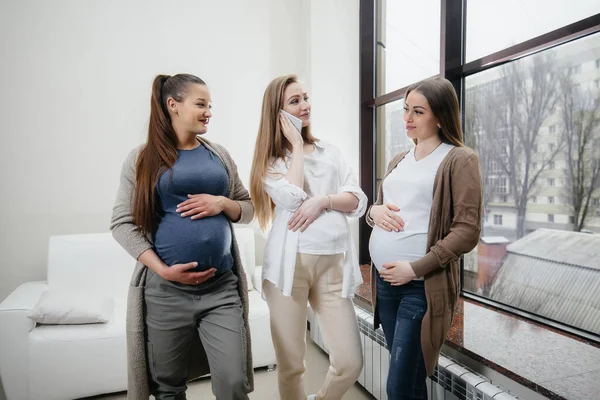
column 135, row 243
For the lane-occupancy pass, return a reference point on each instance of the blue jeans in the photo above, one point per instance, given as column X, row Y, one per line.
column 401, row 311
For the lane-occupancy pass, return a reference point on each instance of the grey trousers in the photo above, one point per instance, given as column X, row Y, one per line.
column 174, row 314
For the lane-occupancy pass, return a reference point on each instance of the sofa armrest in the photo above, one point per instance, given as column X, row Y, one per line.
column 24, row 297
column 257, row 278
column 14, row 331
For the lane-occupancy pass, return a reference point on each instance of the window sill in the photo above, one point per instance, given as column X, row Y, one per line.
column 548, row 361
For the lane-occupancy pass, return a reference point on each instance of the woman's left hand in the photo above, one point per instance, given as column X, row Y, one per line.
column 397, row 273
column 201, row 205
column 307, row 213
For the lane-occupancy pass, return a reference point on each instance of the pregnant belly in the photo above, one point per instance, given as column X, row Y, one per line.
column 206, row 241
column 387, row 247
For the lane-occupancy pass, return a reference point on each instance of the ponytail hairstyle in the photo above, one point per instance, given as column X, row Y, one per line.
column 160, row 152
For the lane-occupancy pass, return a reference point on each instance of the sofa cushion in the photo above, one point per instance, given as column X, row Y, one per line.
column 94, row 356
column 115, row 326
column 71, row 307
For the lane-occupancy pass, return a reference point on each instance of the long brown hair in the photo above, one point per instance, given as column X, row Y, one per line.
column 160, row 152
column 442, row 99
column 270, row 145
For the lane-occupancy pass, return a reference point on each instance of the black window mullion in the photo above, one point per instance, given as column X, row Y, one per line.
column 368, row 138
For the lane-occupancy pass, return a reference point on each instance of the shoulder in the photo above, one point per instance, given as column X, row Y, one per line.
column 461, row 157
column 132, row 156
column 462, row 153
column 213, row 146
column 276, row 165
column 218, row 149
column 331, row 150
column 327, row 146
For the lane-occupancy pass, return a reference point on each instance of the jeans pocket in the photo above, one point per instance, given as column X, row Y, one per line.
column 335, row 277
column 150, row 276
column 413, row 307
column 440, row 318
column 151, row 362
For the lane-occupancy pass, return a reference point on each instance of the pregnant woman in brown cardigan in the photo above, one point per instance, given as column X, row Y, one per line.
column 427, row 214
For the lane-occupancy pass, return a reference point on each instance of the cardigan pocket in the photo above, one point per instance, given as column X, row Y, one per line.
column 441, row 317
column 439, row 304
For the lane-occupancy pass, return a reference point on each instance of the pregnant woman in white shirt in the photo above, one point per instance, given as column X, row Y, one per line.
column 305, row 188
column 408, row 190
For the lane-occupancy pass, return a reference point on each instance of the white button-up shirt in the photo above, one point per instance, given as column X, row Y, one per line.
column 325, row 172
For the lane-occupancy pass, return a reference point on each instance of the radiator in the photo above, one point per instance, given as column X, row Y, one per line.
column 450, row 381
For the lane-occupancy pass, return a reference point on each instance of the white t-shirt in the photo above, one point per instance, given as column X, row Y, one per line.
column 328, row 233
column 410, row 187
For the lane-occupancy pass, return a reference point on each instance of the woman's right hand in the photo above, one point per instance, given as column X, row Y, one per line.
column 180, row 273
column 290, row 132
column 385, row 217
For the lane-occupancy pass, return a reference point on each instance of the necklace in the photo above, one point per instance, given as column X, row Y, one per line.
column 436, row 147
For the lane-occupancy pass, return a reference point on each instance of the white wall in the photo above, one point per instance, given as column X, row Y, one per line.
column 76, row 76
column 76, row 80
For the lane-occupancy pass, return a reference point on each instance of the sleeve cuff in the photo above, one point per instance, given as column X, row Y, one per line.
column 141, row 249
column 359, row 211
column 286, row 195
column 295, row 190
column 426, row 264
column 246, row 212
column 368, row 218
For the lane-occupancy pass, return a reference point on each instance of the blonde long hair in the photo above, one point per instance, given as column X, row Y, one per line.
column 270, row 145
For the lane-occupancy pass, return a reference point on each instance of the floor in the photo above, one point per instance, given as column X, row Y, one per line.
column 265, row 382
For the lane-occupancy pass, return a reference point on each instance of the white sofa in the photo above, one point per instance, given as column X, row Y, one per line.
column 71, row 361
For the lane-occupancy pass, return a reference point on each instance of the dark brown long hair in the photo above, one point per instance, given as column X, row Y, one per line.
column 160, row 152
column 442, row 99
column 270, row 145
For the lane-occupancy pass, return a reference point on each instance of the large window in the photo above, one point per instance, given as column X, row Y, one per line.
column 531, row 110
column 493, row 25
column 391, row 134
column 407, row 51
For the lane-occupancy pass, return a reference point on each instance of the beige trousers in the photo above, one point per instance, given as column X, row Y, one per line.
column 318, row 280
